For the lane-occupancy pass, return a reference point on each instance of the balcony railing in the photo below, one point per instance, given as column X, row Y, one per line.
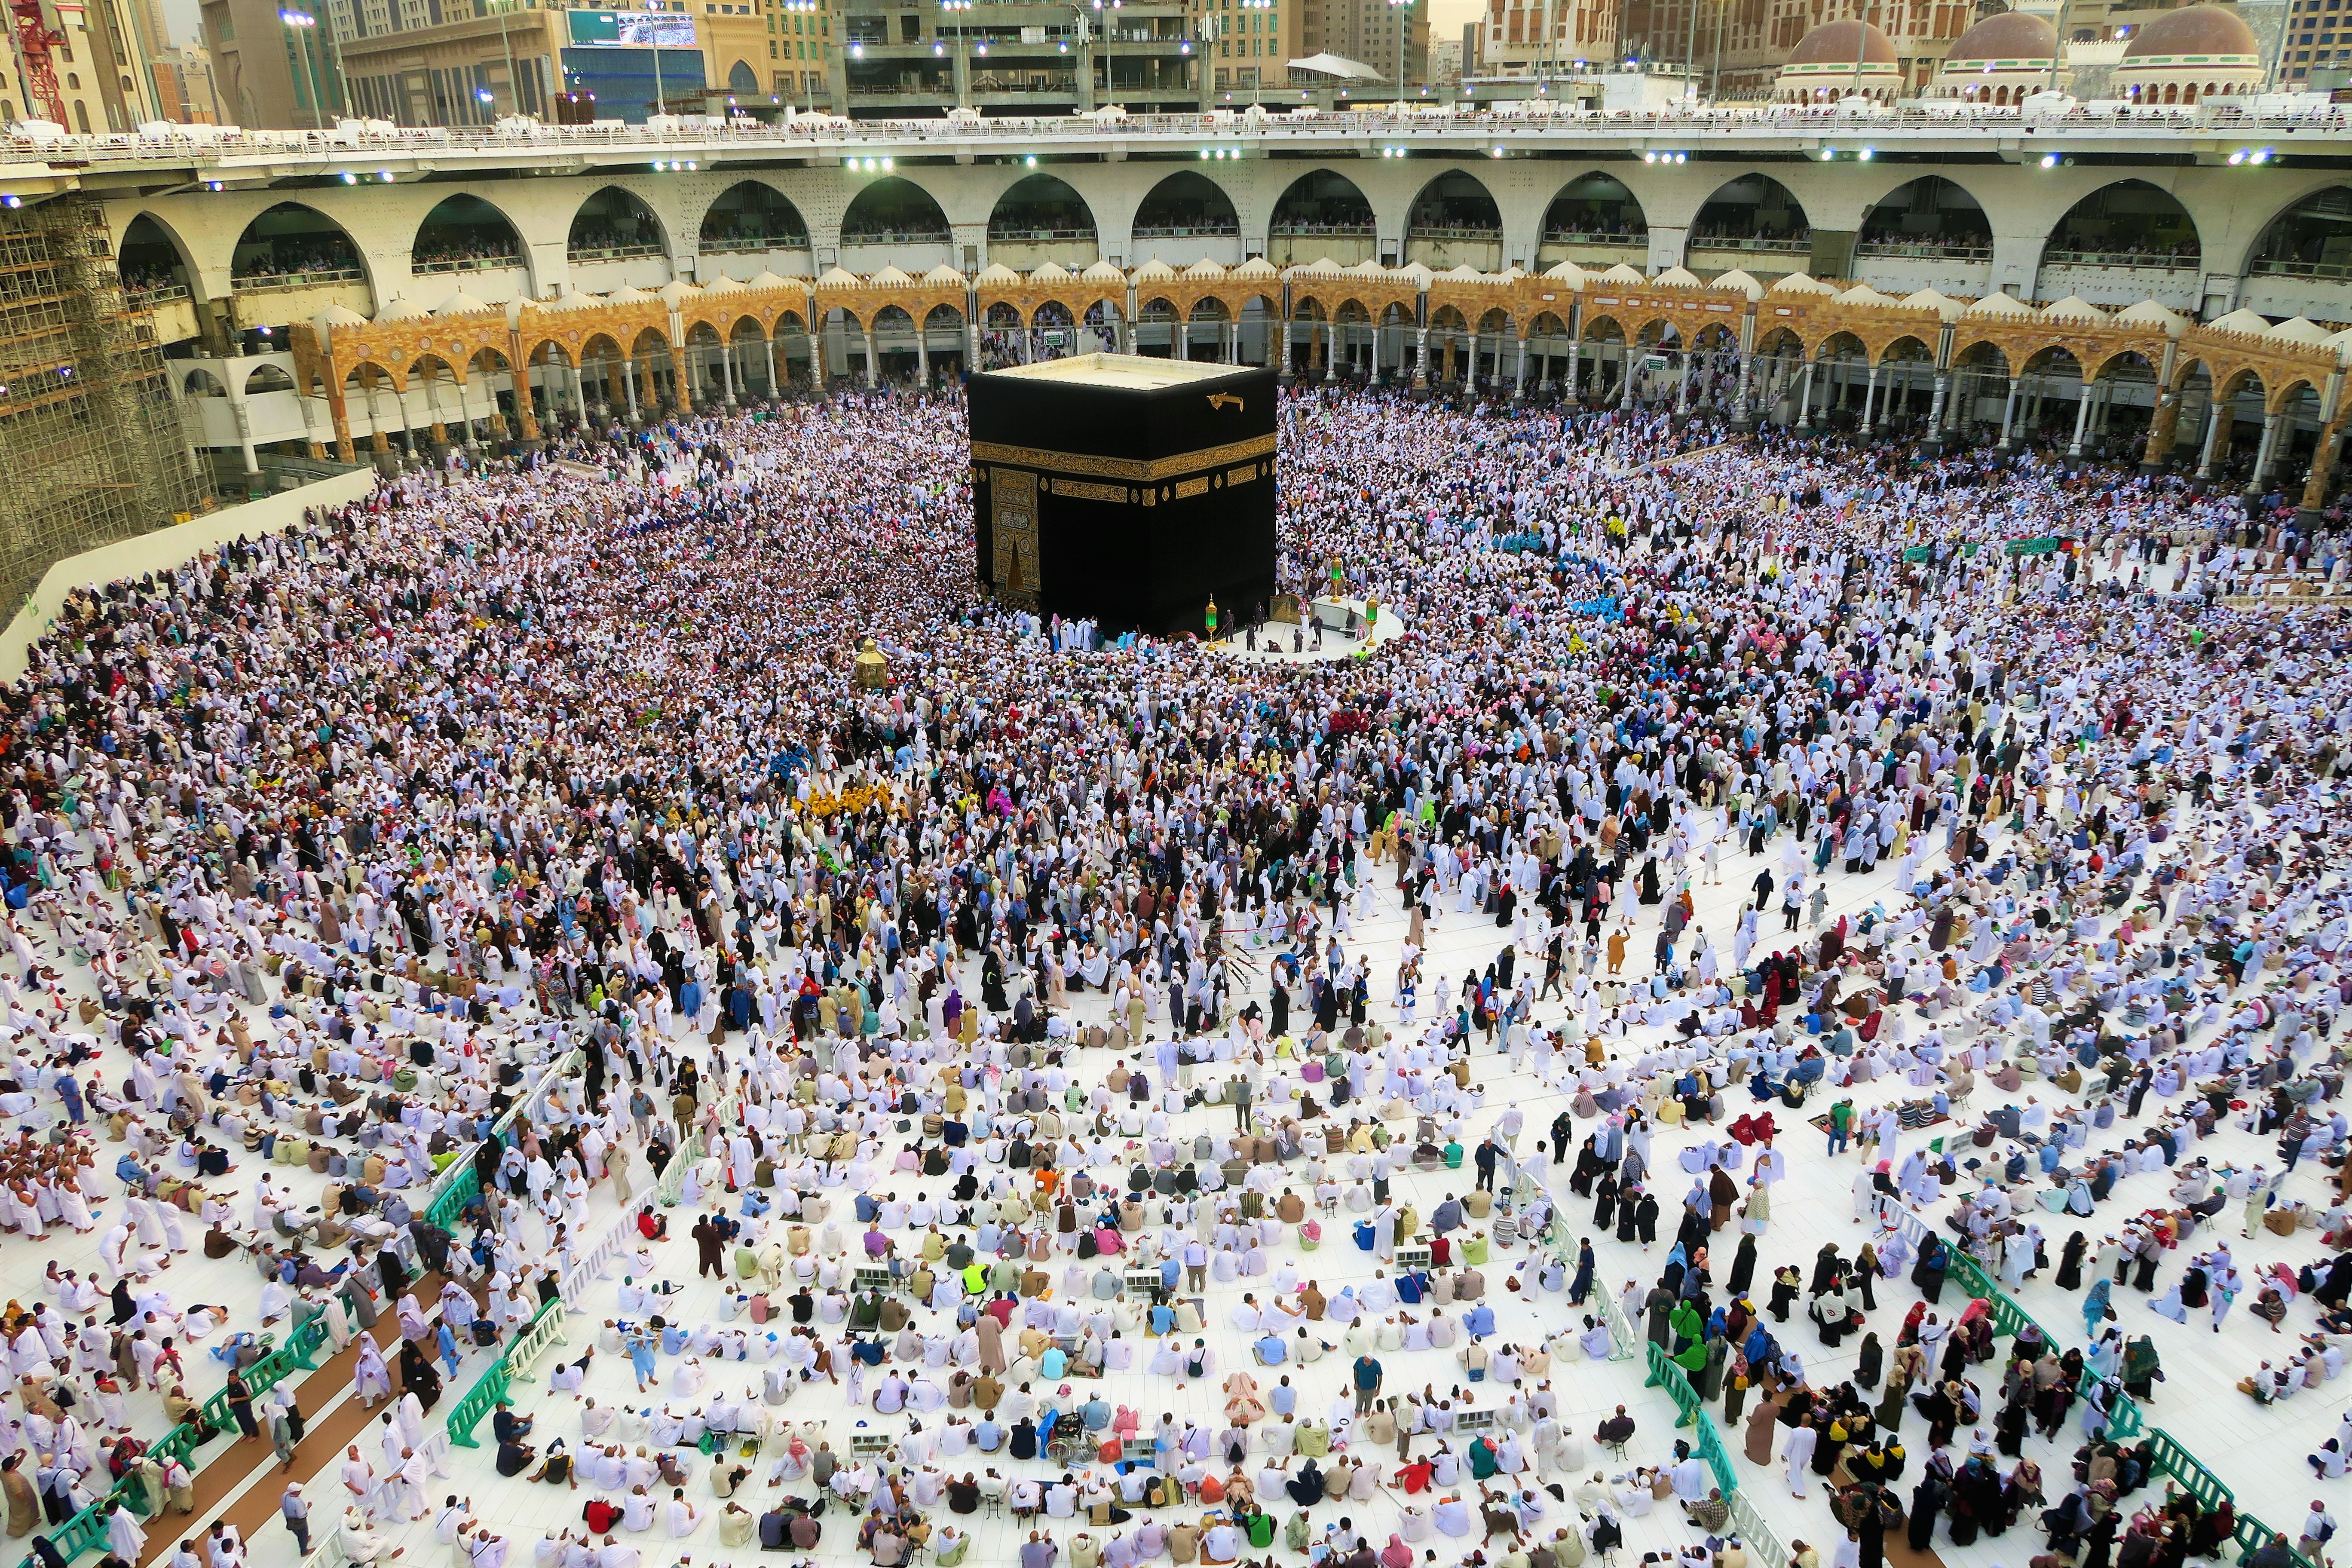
column 2139, row 258
column 898, row 236
column 1489, row 235
column 1322, row 231
column 1189, row 231
column 312, row 277
column 2269, row 267
column 1750, row 243
column 158, row 294
column 1593, row 237
column 1041, row 235
column 739, row 242
column 1924, row 249
column 464, row 263
column 612, row 252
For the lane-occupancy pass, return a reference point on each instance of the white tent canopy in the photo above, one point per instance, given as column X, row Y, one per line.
column 1337, row 64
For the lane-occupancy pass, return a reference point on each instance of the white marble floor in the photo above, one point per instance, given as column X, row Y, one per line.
column 2256, row 1451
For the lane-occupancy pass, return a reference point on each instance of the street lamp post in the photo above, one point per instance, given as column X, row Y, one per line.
column 1090, row 40
column 1404, row 10
column 296, row 23
column 506, row 42
column 1212, row 28
column 1258, row 76
column 960, row 65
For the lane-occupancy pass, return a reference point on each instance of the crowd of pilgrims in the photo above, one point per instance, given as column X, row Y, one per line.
column 583, row 745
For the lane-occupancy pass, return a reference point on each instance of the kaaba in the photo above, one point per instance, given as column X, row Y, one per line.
column 1126, row 491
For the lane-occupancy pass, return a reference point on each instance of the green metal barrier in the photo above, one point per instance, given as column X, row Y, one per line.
column 1704, row 1439
column 462, row 1190
column 479, row 1401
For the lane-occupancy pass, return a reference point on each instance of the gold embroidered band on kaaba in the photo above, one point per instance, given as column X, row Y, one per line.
column 1139, row 470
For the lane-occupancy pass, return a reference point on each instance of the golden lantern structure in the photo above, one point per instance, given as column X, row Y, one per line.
column 870, row 670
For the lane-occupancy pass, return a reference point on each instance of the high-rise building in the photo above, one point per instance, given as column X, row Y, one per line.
column 81, row 64
column 471, row 62
column 1370, row 32
column 1050, row 57
column 1523, row 36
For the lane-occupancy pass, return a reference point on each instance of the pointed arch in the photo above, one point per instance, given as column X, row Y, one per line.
column 1455, row 221
column 1186, row 205
column 1928, row 217
column 1321, row 214
column 463, row 233
column 2310, row 236
column 614, row 224
column 294, row 245
column 751, row 215
column 1751, row 212
column 894, row 210
column 1041, row 208
column 1594, row 208
column 2129, row 223
column 151, row 258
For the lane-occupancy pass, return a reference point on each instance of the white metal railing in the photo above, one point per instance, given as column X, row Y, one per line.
column 1763, row 1543
column 1895, row 1215
column 591, row 1265
column 690, row 1152
column 546, row 1330
column 816, row 132
column 1624, row 1339
column 332, row 1551
column 531, row 1102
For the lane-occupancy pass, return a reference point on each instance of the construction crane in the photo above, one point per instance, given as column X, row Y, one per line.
column 37, row 42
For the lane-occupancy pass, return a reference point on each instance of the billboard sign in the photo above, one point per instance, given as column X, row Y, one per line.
column 632, row 29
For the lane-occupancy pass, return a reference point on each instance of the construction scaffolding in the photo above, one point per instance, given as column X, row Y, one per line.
column 92, row 446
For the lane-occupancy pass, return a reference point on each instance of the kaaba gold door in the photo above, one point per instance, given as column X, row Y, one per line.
column 1013, row 500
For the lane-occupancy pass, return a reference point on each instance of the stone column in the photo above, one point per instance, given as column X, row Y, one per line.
column 1683, row 391
column 727, row 369
column 2082, row 418
column 1470, row 366
column 923, row 357
column 2217, row 438
column 2323, row 459
column 244, row 419
column 1420, row 356
column 434, row 424
column 2009, row 418
column 2274, row 421
column 1870, row 400
column 1332, row 350
column 1567, row 376
column 2162, row 430
column 526, row 411
column 768, row 346
column 1739, row 420
column 1625, row 376
column 1179, row 337
column 1282, row 365
column 872, row 360
column 629, row 385
column 1936, row 406
column 1520, row 390
column 375, row 418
